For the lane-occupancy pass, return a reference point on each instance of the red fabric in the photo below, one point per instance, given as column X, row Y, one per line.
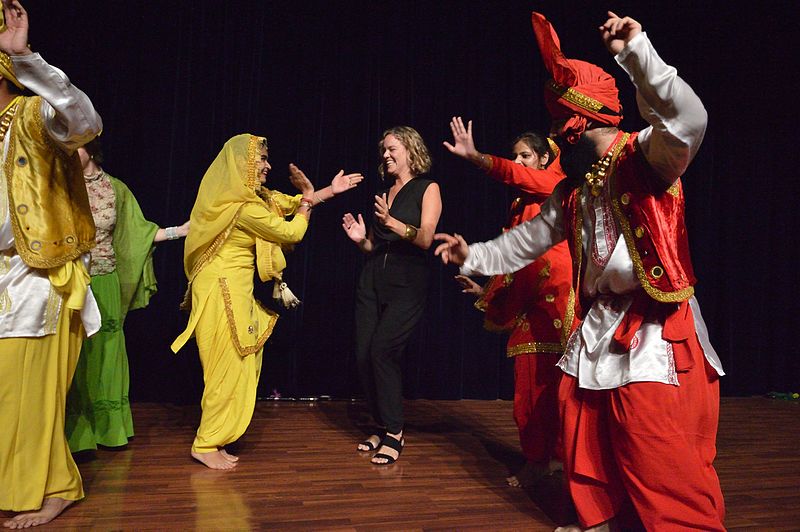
column 536, row 379
column 659, row 213
column 509, row 298
column 586, row 78
column 650, row 443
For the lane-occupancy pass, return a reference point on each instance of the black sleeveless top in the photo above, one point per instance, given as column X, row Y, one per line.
column 406, row 207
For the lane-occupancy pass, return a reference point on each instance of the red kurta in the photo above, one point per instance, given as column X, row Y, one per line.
column 535, row 307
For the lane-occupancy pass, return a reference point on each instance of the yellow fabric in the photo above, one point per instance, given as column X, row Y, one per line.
column 35, row 462
column 52, row 224
column 232, row 226
column 6, row 66
column 72, row 281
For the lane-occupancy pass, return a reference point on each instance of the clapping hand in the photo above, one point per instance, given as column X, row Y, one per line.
column 356, row 229
column 300, row 181
column 343, row 182
column 382, row 209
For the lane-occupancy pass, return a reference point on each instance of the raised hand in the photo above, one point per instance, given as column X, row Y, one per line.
column 300, row 181
column 468, row 286
column 618, row 31
column 356, row 229
column 454, row 249
column 14, row 41
column 464, row 145
column 343, row 182
column 382, row 209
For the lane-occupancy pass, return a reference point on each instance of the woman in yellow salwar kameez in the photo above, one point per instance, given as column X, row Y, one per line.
column 236, row 226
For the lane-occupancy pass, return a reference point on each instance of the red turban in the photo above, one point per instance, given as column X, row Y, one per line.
column 579, row 91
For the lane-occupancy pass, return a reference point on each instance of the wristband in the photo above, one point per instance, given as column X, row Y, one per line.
column 411, row 233
column 171, row 233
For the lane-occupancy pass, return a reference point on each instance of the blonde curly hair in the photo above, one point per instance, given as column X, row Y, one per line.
column 419, row 159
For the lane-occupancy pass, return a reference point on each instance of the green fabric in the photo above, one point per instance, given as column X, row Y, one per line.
column 133, row 246
column 98, row 411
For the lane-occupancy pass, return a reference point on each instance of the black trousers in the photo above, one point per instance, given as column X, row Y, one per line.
column 390, row 301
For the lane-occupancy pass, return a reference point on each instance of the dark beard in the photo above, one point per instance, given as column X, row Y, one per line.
column 577, row 159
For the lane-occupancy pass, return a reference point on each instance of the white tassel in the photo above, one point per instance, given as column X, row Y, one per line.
column 281, row 293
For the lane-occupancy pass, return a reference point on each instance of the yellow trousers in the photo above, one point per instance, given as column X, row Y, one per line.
column 229, row 397
column 35, row 374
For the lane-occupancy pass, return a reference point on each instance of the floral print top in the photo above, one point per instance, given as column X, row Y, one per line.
column 104, row 212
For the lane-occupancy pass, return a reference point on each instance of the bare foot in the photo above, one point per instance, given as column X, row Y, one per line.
column 374, row 440
column 214, row 460
column 388, row 451
column 50, row 509
column 230, row 457
column 531, row 472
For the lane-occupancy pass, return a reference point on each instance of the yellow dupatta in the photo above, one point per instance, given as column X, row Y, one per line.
column 229, row 183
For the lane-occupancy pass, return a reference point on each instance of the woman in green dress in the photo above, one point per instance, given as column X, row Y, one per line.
column 98, row 411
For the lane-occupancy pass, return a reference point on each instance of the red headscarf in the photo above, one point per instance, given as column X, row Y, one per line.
column 579, row 91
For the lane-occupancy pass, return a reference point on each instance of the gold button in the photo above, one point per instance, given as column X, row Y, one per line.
column 557, row 323
column 22, row 208
column 639, row 232
column 36, row 245
column 657, row 272
column 526, row 326
column 625, row 199
column 250, row 329
column 69, row 239
column 549, row 298
column 22, row 161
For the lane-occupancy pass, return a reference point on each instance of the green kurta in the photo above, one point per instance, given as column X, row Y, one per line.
column 98, row 411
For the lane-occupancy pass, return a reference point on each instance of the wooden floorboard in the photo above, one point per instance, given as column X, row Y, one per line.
column 299, row 470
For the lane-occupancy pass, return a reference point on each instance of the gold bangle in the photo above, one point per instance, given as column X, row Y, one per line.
column 411, row 233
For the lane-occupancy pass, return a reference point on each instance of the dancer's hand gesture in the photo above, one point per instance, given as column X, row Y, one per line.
column 618, row 31
column 454, row 250
column 464, row 144
column 14, row 40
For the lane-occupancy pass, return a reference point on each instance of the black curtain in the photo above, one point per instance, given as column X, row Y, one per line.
column 174, row 80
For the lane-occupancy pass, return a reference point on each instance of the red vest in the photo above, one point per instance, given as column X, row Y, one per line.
column 650, row 213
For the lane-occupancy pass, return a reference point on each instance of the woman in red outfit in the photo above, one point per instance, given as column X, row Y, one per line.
column 533, row 305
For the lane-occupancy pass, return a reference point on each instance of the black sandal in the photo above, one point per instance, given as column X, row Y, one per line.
column 369, row 445
column 392, row 443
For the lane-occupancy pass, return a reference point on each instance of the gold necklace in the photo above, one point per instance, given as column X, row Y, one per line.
column 7, row 116
column 596, row 176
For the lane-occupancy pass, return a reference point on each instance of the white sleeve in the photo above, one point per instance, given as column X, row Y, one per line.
column 68, row 114
column 521, row 245
column 676, row 115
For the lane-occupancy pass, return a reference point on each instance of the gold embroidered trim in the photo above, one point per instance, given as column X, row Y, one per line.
column 569, row 317
column 534, row 347
column 574, row 97
column 659, row 295
column 243, row 350
column 253, row 146
column 675, row 188
column 51, row 312
column 29, row 258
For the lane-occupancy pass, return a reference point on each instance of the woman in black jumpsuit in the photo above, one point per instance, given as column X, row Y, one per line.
column 392, row 289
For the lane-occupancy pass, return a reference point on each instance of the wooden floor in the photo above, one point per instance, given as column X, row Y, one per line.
column 299, row 470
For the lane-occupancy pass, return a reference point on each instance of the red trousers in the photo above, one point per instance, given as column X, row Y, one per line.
column 536, row 378
column 646, row 443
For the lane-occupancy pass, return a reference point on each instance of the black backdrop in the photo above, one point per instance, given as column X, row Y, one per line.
column 173, row 80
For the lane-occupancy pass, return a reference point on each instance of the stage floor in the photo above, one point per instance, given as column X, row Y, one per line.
column 299, row 470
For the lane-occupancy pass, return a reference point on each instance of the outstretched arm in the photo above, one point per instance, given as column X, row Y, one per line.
column 341, row 182
column 528, row 180
column 676, row 115
column 68, row 114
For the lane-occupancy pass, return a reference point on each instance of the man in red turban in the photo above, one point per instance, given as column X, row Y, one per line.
column 639, row 398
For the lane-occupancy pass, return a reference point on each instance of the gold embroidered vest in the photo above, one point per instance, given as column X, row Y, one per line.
column 47, row 199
